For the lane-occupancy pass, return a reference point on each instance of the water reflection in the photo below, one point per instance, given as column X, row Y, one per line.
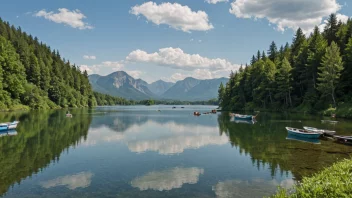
column 39, row 140
column 80, row 180
column 302, row 139
column 158, row 153
column 249, row 188
column 168, row 179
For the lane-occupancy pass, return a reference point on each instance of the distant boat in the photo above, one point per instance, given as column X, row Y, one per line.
column 329, row 121
column 322, row 131
column 303, row 133
column 8, row 126
column 344, row 139
column 12, row 125
column 3, row 127
column 196, row 113
column 245, row 121
column 244, row 117
column 302, row 139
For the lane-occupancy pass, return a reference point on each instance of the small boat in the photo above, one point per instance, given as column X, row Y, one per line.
column 303, row 133
column 12, row 125
column 196, row 113
column 4, row 126
column 344, row 139
column 174, row 107
column 322, row 131
column 245, row 121
column 329, row 121
column 213, row 111
column 302, row 139
column 244, row 117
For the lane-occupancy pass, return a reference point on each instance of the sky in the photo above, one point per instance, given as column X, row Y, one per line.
column 167, row 39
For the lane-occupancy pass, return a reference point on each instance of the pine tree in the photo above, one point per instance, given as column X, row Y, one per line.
column 331, row 29
column 272, row 52
column 284, row 80
column 329, row 72
column 221, row 93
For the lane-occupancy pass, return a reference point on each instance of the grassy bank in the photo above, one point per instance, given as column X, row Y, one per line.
column 335, row 181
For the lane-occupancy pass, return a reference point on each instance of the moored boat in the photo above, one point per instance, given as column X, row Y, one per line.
column 302, row 139
column 4, row 126
column 244, row 117
column 329, row 121
column 12, row 125
column 344, row 139
column 303, row 133
column 322, row 131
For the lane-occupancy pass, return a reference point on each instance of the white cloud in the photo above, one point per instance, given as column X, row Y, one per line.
column 175, row 15
column 89, row 57
column 72, row 18
column 176, row 58
column 215, row 1
column 168, row 179
column 80, row 180
column 198, row 74
column 285, row 14
column 340, row 17
column 134, row 73
column 104, row 68
column 201, row 67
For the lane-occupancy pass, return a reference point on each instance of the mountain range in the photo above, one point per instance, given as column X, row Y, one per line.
column 123, row 85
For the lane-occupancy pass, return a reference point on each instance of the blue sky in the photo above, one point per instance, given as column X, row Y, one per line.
column 167, row 40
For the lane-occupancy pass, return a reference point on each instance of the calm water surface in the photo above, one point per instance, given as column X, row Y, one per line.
column 141, row 152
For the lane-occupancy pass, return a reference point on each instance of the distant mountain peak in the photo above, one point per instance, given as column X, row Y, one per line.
column 121, row 84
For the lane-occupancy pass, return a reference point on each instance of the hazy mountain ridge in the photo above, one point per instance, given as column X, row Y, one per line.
column 123, row 85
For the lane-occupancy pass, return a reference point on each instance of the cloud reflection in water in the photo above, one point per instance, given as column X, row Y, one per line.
column 80, row 180
column 167, row 179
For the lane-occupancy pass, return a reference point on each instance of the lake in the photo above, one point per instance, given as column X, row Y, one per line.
column 138, row 151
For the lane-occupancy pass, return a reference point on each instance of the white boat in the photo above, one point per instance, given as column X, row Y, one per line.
column 322, row 131
column 329, row 121
column 12, row 125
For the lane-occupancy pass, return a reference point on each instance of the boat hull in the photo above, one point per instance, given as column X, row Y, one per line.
column 244, row 118
column 303, row 135
column 3, row 127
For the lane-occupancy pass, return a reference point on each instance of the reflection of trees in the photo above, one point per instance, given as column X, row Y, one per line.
column 42, row 137
column 266, row 143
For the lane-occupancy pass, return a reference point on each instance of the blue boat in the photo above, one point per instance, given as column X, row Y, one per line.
column 302, row 139
column 303, row 133
column 4, row 126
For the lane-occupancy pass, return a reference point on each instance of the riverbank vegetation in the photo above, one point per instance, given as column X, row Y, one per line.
column 312, row 74
column 335, row 181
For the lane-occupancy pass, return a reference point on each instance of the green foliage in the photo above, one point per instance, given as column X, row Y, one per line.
column 335, row 181
column 32, row 75
column 309, row 75
column 330, row 71
column 104, row 99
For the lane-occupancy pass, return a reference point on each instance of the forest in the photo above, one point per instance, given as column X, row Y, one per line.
column 34, row 76
column 312, row 74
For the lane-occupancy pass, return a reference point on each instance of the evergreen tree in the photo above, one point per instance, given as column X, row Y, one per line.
column 284, row 81
column 329, row 72
column 331, row 29
column 272, row 52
